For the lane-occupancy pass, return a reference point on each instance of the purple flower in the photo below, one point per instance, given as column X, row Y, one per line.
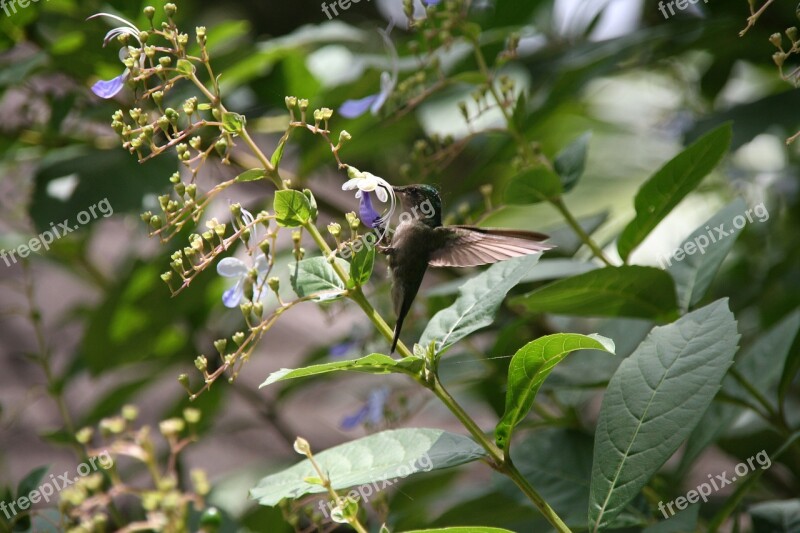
column 431, row 2
column 366, row 212
column 371, row 412
column 374, row 102
column 110, row 88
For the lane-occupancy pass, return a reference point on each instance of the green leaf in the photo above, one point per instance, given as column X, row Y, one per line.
column 761, row 364
column 533, row 186
column 32, row 480
column 315, row 276
column 681, row 522
column 312, row 204
column 528, row 369
column 277, row 155
column 361, row 266
column 291, row 208
column 667, row 187
column 378, row 460
column 254, row 174
column 764, row 361
column 546, row 269
column 653, row 402
column 632, row 291
column 570, row 163
column 463, row 529
column 769, row 517
column 694, row 274
column 371, row 364
column 185, row 67
column 477, row 303
column 233, row 122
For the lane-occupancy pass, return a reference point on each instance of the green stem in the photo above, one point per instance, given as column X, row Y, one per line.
column 500, row 462
column 358, row 297
column 531, row 156
column 755, row 393
column 558, row 203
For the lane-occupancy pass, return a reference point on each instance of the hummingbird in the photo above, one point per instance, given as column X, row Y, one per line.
column 422, row 241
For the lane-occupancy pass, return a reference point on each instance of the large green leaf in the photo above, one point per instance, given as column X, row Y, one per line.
column 371, row 364
column 477, row 302
column 667, row 187
column 695, row 272
column 761, row 364
column 465, row 529
column 546, row 269
column 533, row 186
column 292, row 208
column 379, row 460
column 315, row 276
column 528, row 369
column 632, row 291
column 559, row 464
column 653, row 402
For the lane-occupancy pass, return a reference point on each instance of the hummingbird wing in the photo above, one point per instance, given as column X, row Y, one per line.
column 466, row 246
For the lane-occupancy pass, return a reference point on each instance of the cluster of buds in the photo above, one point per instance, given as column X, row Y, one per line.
column 293, row 103
column 165, row 504
column 783, row 54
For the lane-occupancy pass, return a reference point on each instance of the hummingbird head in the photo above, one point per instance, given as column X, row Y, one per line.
column 423, row 201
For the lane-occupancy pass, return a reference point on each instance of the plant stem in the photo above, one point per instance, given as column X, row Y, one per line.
column 532, row 158
column 501, row 463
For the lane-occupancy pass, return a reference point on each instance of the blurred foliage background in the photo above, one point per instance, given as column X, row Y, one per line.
column 88, row 327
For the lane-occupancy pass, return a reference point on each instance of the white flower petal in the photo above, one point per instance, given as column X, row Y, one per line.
column 262, row 265
column 350, row 184
column 230, row 267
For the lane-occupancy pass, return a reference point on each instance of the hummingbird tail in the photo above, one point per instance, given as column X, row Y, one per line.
column 397, row 328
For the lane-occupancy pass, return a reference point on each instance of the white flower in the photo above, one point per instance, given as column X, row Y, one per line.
column 366, row 182
column 109, row 88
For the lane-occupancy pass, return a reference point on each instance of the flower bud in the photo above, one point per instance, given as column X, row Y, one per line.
column 220, row 345
column 274, row 283
column 201, row 34
column 171, row 426
column 201, row 362
column 238, row 338
column 779, row 58
column 221, row 146
column 149, row 12
column 84, row 435
column 344, row 136
column 302, row 446
column 192, row 415
column 130, row 412
column 303, row 104
column 791, row 33
column 170, row 9
column 291, row 102
column 776, row 39
column 335, row 229
column 352, row 220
